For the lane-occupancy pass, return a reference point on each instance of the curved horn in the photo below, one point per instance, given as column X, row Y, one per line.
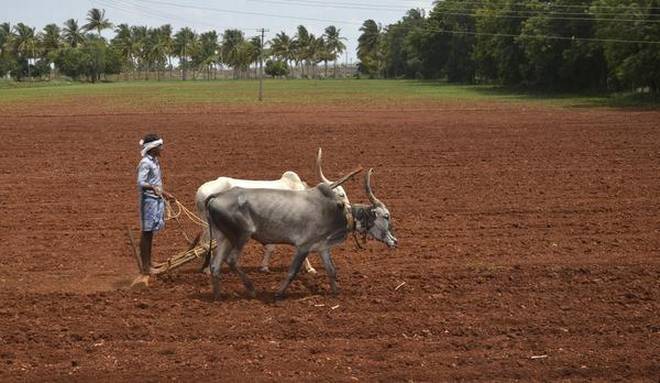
column 346, row 177
column 367, row 186
column 319, row 172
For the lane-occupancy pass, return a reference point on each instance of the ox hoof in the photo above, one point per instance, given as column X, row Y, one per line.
column 252, row 294
column 279, row 295
column 264, row 269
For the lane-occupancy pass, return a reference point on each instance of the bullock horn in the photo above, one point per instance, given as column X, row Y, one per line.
column 367, row 186
column 346, row 177
column 318, row 169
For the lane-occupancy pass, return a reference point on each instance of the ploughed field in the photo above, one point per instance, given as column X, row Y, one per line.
column 529, row 243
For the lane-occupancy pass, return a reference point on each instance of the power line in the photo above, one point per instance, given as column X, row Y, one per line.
column 548, row 37
column 128, row 7
column 571, row 6
column 552, row 18
column 380, row 7
column 467, row 14
column 324, row 4
column 131, row 9
column 232, row 11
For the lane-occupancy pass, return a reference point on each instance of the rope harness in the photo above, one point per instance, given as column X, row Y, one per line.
column 174, row 213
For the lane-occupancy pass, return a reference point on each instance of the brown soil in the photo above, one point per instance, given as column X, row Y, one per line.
column 529, row 246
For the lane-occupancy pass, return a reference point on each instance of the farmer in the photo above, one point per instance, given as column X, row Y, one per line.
column 152, row 204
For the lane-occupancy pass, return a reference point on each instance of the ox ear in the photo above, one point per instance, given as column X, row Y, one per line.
column 346, row 177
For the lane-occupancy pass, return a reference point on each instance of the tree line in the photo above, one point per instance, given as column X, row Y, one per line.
column 80, row 52
column 552, row 45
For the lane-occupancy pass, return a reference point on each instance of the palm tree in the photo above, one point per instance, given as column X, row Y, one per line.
column 255, row 53
column 334, row 45
column 233, row 49
column 50, row 41
column 6, row 47
column 5, row 38
column 247, row 53
column 207, row 54
column 317, row 52
column 282, row 47
column 168, row 44
column 368, row 47
column 96, row 20
column 50, row 38
column 184, row 47
column 72, row 34
column 155, row 50
column 323, row 54
column 126, row 45
column 25, row 43
column 301, row 46
column 139, row 36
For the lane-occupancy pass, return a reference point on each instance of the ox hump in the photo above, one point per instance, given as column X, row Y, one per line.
column 293, row 180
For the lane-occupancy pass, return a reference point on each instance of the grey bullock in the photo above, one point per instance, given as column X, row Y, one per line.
column 315, row 219
column 288, row 181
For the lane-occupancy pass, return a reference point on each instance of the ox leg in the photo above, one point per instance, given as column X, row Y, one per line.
column 265, row 261
column 232, row 261
column 204, row 242
column 293, row 271
column 330, row 270
column 221, row 252
column 268, row 252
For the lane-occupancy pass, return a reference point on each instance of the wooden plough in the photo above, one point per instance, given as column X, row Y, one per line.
column 180, row 259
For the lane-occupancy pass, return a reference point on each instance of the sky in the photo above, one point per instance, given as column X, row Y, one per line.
column 204, row 15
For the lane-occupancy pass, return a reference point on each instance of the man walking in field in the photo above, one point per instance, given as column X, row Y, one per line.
column 152, row 203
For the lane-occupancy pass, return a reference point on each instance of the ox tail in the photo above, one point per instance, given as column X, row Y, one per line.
column 207, row 258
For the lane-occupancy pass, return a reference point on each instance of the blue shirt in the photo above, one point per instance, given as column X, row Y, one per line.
column 148, row 173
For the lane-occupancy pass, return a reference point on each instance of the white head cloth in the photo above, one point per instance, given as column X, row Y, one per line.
column 149, row 145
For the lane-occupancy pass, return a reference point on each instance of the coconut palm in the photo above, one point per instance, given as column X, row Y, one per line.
column 72, row 34
column 50, row 38
column 168, row 44
column 96, row 21
column 282, row 47
column 335, row 46
column 207, row 54
column 5, row 37
column 155, row 50
column 184, row 48
column 126, row 46
column 25, row 43
column 233, row 49
column 50, row 41
column 247, row 53
column 301, row 46
column 368, row 47
column 6, row 46
column 139, row 36
column 317, row 53
column 254, row 52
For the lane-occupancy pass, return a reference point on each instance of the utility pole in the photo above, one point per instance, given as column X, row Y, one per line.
column 261, row 64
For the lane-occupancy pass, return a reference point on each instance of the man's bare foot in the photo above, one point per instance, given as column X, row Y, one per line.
column 141, row 280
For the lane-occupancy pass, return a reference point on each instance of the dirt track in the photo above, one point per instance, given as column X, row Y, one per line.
column 529, row 244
